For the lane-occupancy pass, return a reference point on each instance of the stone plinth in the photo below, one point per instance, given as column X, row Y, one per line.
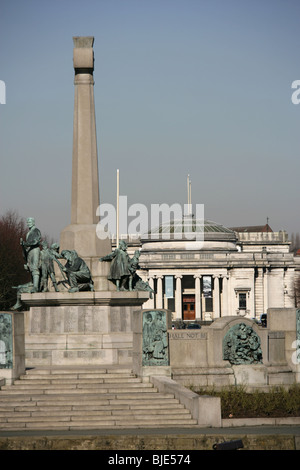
column 108, row 298
column 283, row 323
column 85, row 328
column 250, row 374
column 12, row 346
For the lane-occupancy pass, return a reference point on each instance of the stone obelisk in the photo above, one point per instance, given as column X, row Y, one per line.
column 81, row 234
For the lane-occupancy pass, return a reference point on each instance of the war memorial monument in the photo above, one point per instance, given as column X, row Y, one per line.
column 85, row 304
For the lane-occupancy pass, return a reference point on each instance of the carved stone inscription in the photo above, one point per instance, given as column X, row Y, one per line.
column 155, row 340
column 187, row 335
column 241, row 345
column 6, row 341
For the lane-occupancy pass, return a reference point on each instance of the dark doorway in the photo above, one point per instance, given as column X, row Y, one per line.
column 188, row 302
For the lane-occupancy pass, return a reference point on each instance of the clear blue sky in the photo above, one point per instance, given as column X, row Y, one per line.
column 181, row 86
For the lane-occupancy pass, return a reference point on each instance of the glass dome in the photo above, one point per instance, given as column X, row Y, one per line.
column 187, row 226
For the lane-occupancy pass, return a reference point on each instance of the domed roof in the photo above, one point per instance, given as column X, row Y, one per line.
column 189, row 227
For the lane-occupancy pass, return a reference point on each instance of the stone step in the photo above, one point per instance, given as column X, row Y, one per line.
column 138, row 398
column 168, row 407
column 77, row 398
column 134, row 405
column 73, row 386
column 96, row 423
column 76, row 376
column 113, row 415
column 56, row 381
column 74, row 402
column 88, row 419
column 78, row 391
column 104, row 424
column 91, row 415
column 84, row 403
column 63, row 380
column 82, row 371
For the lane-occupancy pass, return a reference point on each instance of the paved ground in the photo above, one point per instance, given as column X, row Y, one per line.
column 258, row 430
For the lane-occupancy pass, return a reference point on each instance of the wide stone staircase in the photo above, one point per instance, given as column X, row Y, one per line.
column 87, row 398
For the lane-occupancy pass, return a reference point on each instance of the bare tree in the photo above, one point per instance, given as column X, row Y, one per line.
column 12, row 272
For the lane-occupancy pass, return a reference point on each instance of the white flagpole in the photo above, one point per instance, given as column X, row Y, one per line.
column 118, row 197
column 190, row 198
column 188, row 193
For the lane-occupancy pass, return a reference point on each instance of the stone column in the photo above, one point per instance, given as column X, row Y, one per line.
column 159, row 294
column 150, row 302
column 225, row 297
column 216, row 297
column 275, row 288
column 266, row 289
column 198, row 305
column 289, row 288
column 251, row 295
column 231, row 295
column 81, row 234
column 178, row 297
column 259, row 293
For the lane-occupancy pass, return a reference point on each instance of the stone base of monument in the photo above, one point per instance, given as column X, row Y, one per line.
column 83, row 328
column 254, row 374
column 12, row 352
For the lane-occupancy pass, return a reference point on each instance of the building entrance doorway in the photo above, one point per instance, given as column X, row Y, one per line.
column 188, row 302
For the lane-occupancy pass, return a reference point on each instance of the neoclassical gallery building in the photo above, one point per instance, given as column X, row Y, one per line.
column 238, row 271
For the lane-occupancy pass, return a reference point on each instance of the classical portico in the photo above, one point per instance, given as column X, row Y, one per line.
column 228, row 275
column 190, row 301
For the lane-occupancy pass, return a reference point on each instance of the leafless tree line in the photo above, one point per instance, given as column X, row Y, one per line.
column 12, row 272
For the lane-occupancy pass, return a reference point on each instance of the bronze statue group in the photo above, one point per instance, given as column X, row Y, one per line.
column 123, row 270
column 76, row 276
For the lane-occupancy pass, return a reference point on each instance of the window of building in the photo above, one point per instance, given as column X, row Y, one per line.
column 242, row 301
column 209, row 304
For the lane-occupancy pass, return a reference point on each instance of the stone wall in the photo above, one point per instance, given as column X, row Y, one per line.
column 141, row 441
column 197, row 356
